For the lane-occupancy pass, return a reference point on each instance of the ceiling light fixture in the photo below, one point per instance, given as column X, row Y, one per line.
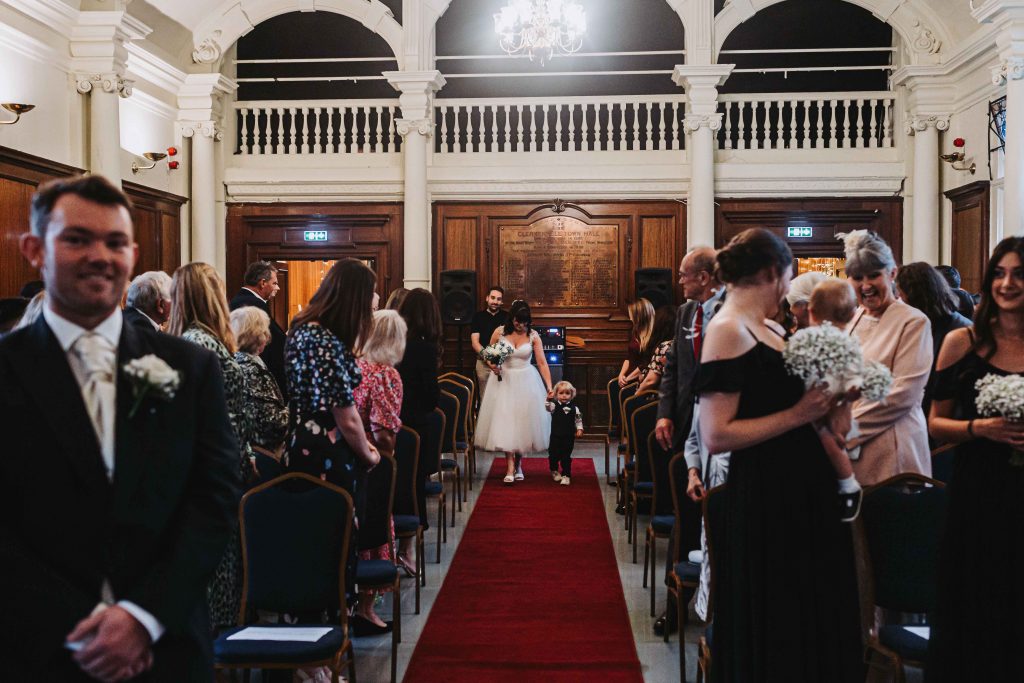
column 541, row 29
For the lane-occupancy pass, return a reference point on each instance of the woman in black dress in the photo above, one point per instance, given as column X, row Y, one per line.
column 977, row 626
column 785, row 592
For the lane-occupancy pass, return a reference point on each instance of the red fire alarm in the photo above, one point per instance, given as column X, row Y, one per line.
column 172, row 151
column 959, row 142
column 172, row 164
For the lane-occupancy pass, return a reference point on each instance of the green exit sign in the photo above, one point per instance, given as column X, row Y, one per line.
column 799, row 231
column 315, row 235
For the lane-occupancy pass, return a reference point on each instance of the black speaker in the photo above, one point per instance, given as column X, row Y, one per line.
column 655, row 285
column 458, row 296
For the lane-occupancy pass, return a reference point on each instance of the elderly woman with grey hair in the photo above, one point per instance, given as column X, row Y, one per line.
column 800, row 294
column 251, row 327
column 893, row 434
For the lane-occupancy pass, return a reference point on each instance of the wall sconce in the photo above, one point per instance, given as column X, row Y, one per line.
column 151, row 156
column 17, row 110
column 956, row 159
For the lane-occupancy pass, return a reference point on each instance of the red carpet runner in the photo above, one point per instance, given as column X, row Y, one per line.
column 533, row 593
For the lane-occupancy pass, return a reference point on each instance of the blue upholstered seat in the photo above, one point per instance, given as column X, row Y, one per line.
column 622, row 448
column 687, row 571
column 272, row 651
column 643, row 487
column 406, row 523
column 449, row 463
column 376, row 572
column 662, row 524
column 434, row 488
column 462, row 445
column 904, row 643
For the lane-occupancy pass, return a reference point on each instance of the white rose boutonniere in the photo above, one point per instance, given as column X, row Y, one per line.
column 151, row 376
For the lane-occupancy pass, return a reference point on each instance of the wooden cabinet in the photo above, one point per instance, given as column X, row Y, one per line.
column 970, row 243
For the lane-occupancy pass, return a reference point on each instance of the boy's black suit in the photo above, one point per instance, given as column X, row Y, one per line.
column 156, row 533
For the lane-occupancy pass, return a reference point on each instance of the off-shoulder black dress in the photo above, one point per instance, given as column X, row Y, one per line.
column 785, row 592
column 978, row 623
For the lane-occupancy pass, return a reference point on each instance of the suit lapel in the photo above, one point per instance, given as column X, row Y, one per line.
column 47, row 377
column 130, row 438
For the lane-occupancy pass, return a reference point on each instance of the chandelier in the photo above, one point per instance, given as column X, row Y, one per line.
column 541, row 28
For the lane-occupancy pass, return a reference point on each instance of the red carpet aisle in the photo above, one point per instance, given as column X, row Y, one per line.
column 533, row 593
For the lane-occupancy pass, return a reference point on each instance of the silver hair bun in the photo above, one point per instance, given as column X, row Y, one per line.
column 865, row 252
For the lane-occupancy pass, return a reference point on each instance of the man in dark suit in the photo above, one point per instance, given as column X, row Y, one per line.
column 260, row 286
column 148, row 303
column 676, row 391
column 116, row 510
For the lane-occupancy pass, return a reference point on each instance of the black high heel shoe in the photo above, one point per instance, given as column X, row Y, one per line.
column 361, row 626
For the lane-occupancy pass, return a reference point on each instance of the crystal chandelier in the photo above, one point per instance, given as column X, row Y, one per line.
column 541, row 28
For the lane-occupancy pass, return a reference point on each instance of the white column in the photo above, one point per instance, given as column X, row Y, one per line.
column 104, row 91
column 204, row 207
column 700, row 210
column 415, row 135
column 417, row 90
column 924, row 240
column 1011, row 72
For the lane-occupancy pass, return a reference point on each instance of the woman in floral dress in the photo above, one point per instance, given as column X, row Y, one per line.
column 199, row 313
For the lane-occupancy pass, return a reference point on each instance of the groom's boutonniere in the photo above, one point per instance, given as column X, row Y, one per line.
column 151, row 376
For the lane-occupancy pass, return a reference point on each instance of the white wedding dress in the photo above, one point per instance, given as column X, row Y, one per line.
column 512, row 416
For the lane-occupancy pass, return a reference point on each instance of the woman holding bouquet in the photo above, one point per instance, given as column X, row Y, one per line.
column 786, row 595
column 977, row 629
column 512, row 415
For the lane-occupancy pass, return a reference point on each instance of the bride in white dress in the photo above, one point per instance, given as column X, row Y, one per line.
column 512, row 416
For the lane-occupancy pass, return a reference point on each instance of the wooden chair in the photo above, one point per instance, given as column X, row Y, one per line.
column 431, row 453
column 406, row 511
column 470, row 384
column 713, row 509
column 274, row 581
column 897, row 538
column 622, row 453
column 661, row 521
column 449, row 404
column 942, row 462
column 375, row 530
column 640, row 414
column 463, row 442
column 684, row 574
column 614, row 427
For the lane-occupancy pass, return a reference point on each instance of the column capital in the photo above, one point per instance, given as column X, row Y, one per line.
column 694, row 122
column 1010, row 69
column 199, row 98
column 424, row 127
column 917, row 123
column 99, row 46
column 206, row 129
column 416, row 90
column 701, row 84
column 111, row 82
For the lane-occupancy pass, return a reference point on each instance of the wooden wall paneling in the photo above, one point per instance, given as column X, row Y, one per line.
column 658, row 242
column 157, row 219
column 970, row 244
column 460, row 244
column 20, row 175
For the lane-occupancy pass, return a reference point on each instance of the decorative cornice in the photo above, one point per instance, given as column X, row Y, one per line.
column 424, row 127
column 1011, row 69
column 206, row 129
column 150, row 68
column 694, row 122
column 108, row 82
column 925, row 41
column 920, row 122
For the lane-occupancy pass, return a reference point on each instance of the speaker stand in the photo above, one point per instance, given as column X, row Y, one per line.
column 459, row 349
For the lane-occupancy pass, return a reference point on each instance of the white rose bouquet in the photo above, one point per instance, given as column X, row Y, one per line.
column 827, row 354
column 150, row 375
column 1002, row 396
column 496, row 354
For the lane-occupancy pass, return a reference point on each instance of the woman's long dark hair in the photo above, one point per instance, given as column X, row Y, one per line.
column 343, row 303
column 926, row 290
column 423, row 317
column 520, row 311
column 984, row 335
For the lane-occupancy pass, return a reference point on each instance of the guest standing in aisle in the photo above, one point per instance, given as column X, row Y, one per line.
column 786, row 603
column 977, row 629
column 260, row 286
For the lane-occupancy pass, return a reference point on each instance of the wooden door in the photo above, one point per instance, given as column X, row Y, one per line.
column 970, row 244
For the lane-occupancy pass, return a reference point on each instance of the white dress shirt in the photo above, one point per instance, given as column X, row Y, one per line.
column 67, row 333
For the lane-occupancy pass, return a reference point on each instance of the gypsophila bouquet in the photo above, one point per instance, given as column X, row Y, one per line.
column 150, row 375
column 1002, row 396
column 496, row 354
column 825, row 354
column 877, row 381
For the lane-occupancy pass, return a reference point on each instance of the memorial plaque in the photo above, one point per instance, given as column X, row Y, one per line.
column 560, row 262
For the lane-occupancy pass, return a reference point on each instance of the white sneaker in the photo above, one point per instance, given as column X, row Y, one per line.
column 508, row 479
column 556, row 476
column 565, row 481
column 519, row 474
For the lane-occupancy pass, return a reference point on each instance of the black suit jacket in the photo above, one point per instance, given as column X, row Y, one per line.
column 273, row 355
column 676, row 388
column 134, row 316
column 156, row 532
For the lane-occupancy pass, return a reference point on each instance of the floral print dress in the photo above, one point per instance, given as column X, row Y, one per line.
column 225, row 590
column 270, row 413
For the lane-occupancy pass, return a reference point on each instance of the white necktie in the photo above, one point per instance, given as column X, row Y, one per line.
column 97, row 361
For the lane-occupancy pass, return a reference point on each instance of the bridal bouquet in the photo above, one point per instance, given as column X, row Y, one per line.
column 1002, row 396
column 496, row 353
column 827, row 354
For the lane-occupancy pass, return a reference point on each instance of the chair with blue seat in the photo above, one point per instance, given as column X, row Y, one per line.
column 684, row 574
column 641, row 415
column 713, row 511
column 623, row 449
column 293, row 516
column 474, row 394
column 463, row 443
column 375, row 531
column 406, row 506
column 898, row 535
column 662, row 519
column 614, row 425
column 449, row 405
column 430, row 459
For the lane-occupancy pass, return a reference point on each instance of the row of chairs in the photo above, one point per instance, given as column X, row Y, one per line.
column 299, row 516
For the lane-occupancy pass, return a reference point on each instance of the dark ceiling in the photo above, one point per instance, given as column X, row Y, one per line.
column 467, row 28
